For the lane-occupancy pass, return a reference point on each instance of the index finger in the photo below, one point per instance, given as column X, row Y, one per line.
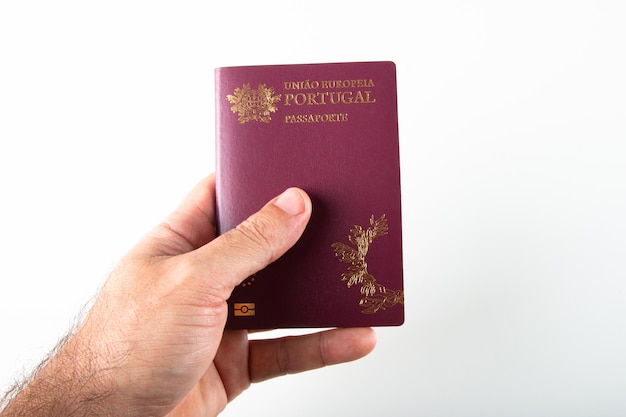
column 190, row 226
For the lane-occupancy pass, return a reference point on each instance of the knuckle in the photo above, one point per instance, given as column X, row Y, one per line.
column 282, row 358
column 257, row 230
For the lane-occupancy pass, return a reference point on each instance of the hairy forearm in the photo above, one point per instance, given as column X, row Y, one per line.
column 72, row 382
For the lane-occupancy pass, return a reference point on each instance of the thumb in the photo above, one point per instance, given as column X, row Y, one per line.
column 255, row 243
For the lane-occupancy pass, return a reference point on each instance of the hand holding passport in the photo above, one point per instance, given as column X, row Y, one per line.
column 160, row 316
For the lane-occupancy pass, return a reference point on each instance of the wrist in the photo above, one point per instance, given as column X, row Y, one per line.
column 72, row 382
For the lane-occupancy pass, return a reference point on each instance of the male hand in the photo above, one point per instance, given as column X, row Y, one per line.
column 154, row 343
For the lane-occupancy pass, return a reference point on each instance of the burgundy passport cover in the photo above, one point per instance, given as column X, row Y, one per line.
column 332, row 130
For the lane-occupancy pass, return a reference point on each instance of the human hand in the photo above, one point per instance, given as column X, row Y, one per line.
column 154, row 341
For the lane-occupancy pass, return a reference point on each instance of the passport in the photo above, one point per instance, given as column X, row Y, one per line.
column 332, row 130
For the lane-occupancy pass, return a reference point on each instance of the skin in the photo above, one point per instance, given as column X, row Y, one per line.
column 154, row 344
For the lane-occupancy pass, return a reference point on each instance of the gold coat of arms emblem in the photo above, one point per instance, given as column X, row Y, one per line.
column 253, row 104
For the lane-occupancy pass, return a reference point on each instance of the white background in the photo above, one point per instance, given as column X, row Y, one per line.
column 512, row 124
